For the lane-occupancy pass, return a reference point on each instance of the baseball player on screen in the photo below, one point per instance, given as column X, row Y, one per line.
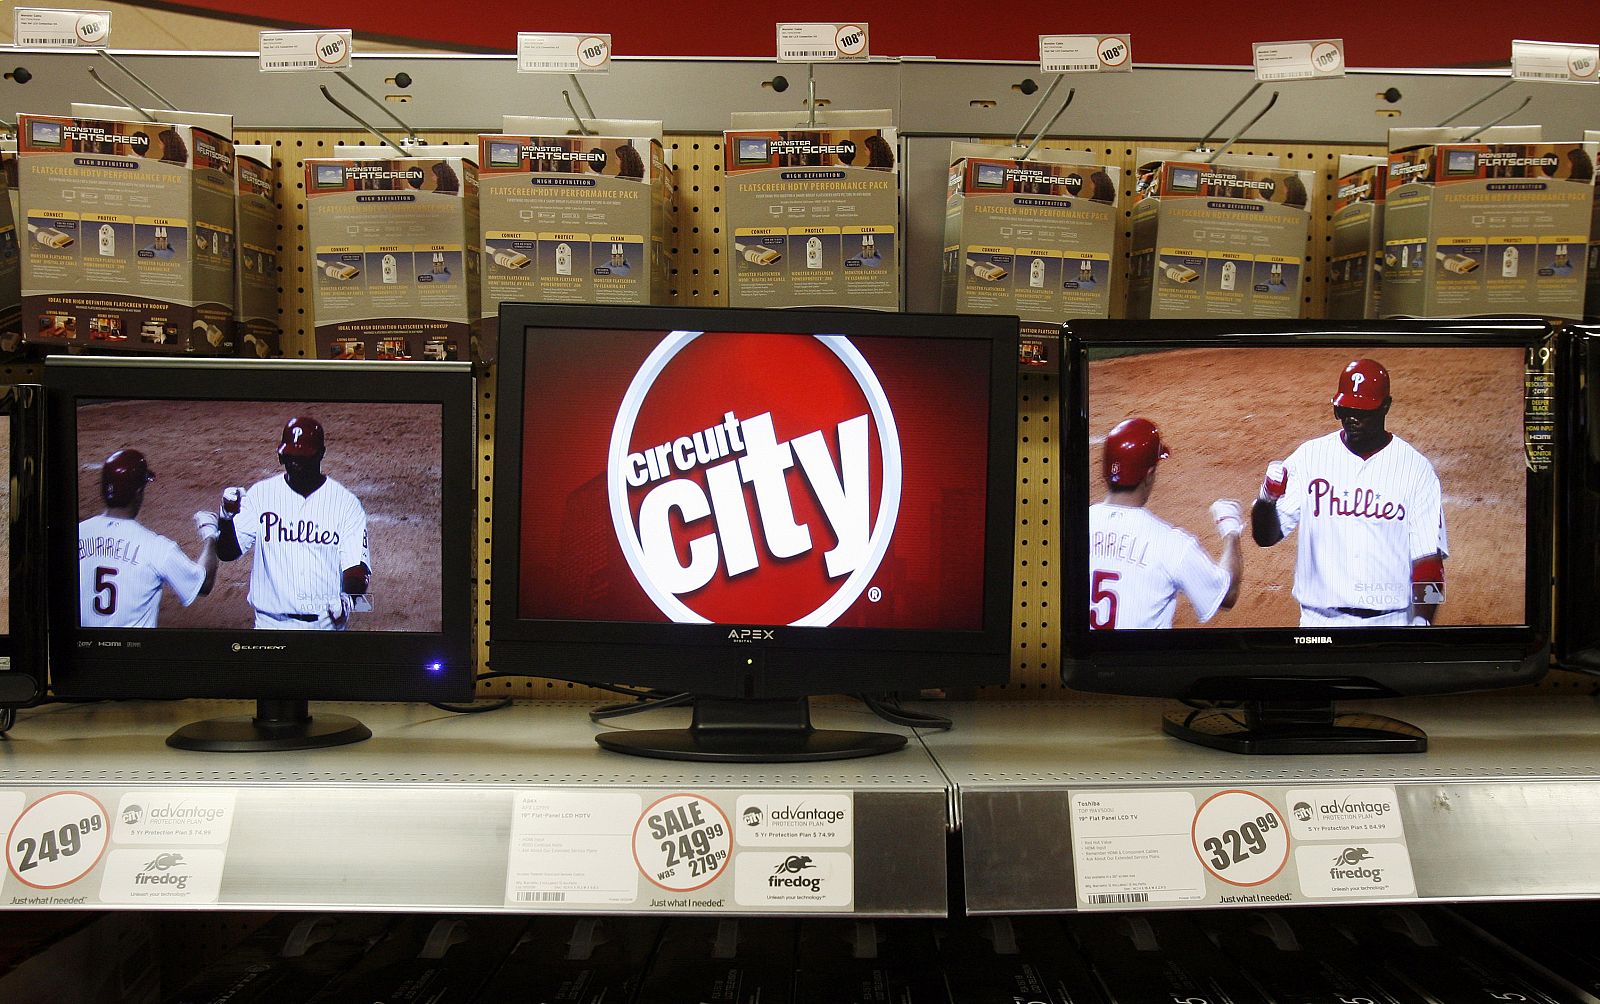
column 122, row 565
column 1370, row 514
column 1139, row 563
column 312, row 562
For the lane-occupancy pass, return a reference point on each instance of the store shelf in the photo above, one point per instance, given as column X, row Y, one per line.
column 420, row 816
column 1505, row 804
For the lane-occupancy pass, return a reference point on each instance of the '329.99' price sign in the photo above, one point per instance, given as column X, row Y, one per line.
column 57, row 840
column 1240, row 838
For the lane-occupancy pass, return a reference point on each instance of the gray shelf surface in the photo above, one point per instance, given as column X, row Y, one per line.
column 419, row 816
column 1505, row 803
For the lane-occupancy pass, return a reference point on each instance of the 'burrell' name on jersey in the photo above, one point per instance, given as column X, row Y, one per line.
column 303, row 531
column 115, row 548
column 1124, row 546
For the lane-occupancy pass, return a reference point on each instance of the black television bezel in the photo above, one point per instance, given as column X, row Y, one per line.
column 264, row 665
column 703, row 658
column 22, row 648
column 1577, row 638
column 1219, row 663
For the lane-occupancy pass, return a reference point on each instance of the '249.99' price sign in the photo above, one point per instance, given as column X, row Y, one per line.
column 57, row 840
column 682, row 842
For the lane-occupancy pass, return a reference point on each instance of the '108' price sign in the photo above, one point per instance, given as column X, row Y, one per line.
column 57, row 840
column 1241, row 838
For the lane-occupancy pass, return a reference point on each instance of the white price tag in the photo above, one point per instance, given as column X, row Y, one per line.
column 1085, row 53
column 1132, row 847
column 572, row 848
column 293, row 51
column 57, row 840
column 44, row 27
column 1312, row 59
column 1561, row 62
column 559, row 52
column 833, row 42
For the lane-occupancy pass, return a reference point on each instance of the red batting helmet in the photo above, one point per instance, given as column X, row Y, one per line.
column 302, row 437
column 123, row 474
column 1364, row 385
column 1132, row 451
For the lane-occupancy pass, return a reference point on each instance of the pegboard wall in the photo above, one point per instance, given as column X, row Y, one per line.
column 699, row 245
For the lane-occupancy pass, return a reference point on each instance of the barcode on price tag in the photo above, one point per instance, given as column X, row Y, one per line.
column 561, row 52
column 831, row 42
column 1310, row 59
column 40, row 26
column 1085, row 53
column 1561, row 62
column 293, row 51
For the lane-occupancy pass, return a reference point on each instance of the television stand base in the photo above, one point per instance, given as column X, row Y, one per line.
column 751, row 731
column 276, row 726
column 1292, row 728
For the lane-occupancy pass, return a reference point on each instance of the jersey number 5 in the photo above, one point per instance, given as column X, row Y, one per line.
column 105, row 591
column 1100, row 592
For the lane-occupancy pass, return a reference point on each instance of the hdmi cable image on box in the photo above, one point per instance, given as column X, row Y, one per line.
column 1458, row 263
column 758, row 255
column 1177, row 272
column 338, row 270
column 988, row 271
column 50, row 237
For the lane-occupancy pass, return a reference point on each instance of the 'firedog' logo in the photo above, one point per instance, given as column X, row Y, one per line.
column 801, row 428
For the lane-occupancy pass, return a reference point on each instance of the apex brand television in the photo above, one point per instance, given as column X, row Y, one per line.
column 1577, row 635
column 755, row 507
column 281, row 531
column 22, row 631
column 1391, row 534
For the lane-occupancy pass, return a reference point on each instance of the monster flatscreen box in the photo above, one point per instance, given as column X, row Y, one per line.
column 129, row 234
column 10, row 257
column 1482, row 227
column 1005, row 960
column 395, row 265
column 813, row 213
column 257, row 330
column 867, row 962
column 1029, row 237
column 1224, row 239
column 722, row 962
column 290, row 958
column 572, row 218
column 1591, row 298
column 585, row 960
column 1355, row 270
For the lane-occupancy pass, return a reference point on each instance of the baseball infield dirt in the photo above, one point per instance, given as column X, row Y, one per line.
column 1225, row 413
column 386, row 454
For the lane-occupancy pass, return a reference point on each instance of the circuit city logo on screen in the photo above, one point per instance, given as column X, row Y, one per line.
column 677, row 484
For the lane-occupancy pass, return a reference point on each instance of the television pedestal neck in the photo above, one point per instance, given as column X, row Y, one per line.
column 740, row 730
column 1292, row 727
column 276, row 726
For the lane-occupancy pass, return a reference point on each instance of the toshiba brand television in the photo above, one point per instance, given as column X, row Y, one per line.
column 755, row 507
column 1577, row 632
column 1267, row 518
column 22, row 630
column 281, row 531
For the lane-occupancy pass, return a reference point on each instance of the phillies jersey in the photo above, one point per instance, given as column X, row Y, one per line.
column 1362, row 522
column 1138, row 563
column 121, row 567
column 303, row 544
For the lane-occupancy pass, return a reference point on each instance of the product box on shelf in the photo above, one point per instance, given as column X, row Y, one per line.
column 259, row 334
column 1004, row 960
column 729, row 961
column 395, row 266
column 867, row 962
column 290, row 958
column 10, row 257
column 1491, row 226
column 570, row 218
column 813, row 213
column 1591, row 297
column 1355, row 269
column 1221, row 239
column 1029, row 237
column 129, row 238
column 427, row 958
column 583, row 960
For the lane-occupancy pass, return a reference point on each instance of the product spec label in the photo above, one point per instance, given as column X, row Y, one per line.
column 1311, row 59
column 293, row 51
column 47, row 28
column 832, row 42
column 1561, row 62
column 563, row 52
column 1085, row 53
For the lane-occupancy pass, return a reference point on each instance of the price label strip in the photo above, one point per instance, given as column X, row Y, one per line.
column 1312, row 59
column 297, row 51
column 1261, row 846
column 831, row 42
column 682, row 851
column 1558, row 62
column 43, row 27
column 1085, row 53
column 557, row 52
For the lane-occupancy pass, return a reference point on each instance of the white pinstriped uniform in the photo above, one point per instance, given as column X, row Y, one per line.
column 1139, row 563
column 303, row 544
column 121, row 568
column 1362, row 523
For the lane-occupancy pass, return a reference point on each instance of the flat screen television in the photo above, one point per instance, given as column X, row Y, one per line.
column 1390, row 535
column 281, row 531
column 22, row 631
column 754, row 507
column 1577, row 629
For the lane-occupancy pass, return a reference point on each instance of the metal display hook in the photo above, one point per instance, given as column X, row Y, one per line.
column 1451, row 118
column 811, row 95
column 133, row 105
column 1201, row 146
column 368, row 126
column 1054, row 84
column 1475, row 133
column 163, row 101
column 583, row 127
column 411, row 134
column 1246, row 128
column 1047, row 126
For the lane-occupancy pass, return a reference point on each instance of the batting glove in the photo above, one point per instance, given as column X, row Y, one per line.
column 205, row 523
column 1226, row 514
column 232, row 499
column 1275, row 483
